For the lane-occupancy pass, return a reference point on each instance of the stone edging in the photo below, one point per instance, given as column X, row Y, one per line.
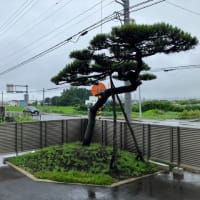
column 108, row 186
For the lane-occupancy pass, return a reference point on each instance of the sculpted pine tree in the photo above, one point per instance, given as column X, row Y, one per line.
column 119, row 55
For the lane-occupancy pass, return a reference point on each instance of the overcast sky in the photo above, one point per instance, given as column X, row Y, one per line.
column 28, row 27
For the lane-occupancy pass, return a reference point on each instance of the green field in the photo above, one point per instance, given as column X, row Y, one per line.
column 151, row 114
column 70, row 110
column 14, row 108
column 157, row 115
column 158, row 110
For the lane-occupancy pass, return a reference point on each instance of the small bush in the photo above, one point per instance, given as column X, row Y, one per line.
column 192, row 114
column 159, row 105
column 81, row 107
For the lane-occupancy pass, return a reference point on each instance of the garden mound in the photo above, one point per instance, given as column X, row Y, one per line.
column 74, row 163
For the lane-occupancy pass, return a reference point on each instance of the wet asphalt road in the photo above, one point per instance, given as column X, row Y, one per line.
column 14, row 186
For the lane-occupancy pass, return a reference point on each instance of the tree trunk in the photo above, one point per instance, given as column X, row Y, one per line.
column 100, row 102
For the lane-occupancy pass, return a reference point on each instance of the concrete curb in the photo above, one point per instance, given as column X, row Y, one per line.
column 133, row 179
column 123, row 182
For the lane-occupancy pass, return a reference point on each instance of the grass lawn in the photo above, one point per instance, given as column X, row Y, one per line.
column 70, row 110
column 157, row 115
column 14, row 108
column 72, row 162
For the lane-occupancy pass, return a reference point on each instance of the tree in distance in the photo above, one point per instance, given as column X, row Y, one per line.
column 119, row 55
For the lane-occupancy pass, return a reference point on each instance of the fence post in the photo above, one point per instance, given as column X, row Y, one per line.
column 22, row 143
column 121, row 138
column 171, row 145
column 41, row 144
column 106, row 129
column 179, row 145
column 143, row 139
column 149, row 142
column 45, row 134
column 81, row 132
column 62, row 132
column 16, row 140
column 125, row 136
column 66, row 135
column 102, row 131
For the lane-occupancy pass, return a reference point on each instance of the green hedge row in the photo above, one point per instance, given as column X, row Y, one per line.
column 165, row 106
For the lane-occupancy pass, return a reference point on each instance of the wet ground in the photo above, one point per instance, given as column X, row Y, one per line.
column 15, row 186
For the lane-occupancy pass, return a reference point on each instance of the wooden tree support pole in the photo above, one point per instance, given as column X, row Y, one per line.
column 113, row 162
column 139, row 153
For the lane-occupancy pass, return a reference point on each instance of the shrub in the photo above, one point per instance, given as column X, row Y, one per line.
column 159, row 105
column 192, row 114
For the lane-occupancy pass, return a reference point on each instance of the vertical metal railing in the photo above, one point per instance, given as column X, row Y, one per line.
column 143, row 140
column 148, row 141
column 41, row 135
column 171, row 145
column 62, row 132
column 179, row 146
column 16, row 140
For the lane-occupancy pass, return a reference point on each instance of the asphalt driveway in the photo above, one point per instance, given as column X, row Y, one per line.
column 15, row 186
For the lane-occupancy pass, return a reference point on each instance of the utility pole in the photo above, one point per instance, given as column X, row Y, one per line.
column 2, row 99
column 125, row 4
column 126, row 12
column 43, row 96
column 128, row 106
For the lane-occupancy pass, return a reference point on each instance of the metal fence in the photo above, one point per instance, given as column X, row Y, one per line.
column 179, row 145
column 19, row 137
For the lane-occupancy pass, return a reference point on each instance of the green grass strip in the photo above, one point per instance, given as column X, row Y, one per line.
column 73, row 176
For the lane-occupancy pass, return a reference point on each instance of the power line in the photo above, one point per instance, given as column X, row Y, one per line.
column 166, row 69
column 44, row 19
column 131, row 8
column 147, row 6
column 181, row 67
column 54, row 30
column 48, row 89
column 14, row 14
column 183, row 8
column 64, row 24
column 76, row 24
column 60, row 44
column 140, row 4
column 18, row 17
column 69, row 21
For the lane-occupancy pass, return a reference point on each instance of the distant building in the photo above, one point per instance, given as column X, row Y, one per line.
column 13, row 103
column 92, row 100
column 22, row 103
column 16, row 103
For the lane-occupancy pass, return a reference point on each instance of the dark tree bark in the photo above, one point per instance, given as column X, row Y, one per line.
column 101, row 100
